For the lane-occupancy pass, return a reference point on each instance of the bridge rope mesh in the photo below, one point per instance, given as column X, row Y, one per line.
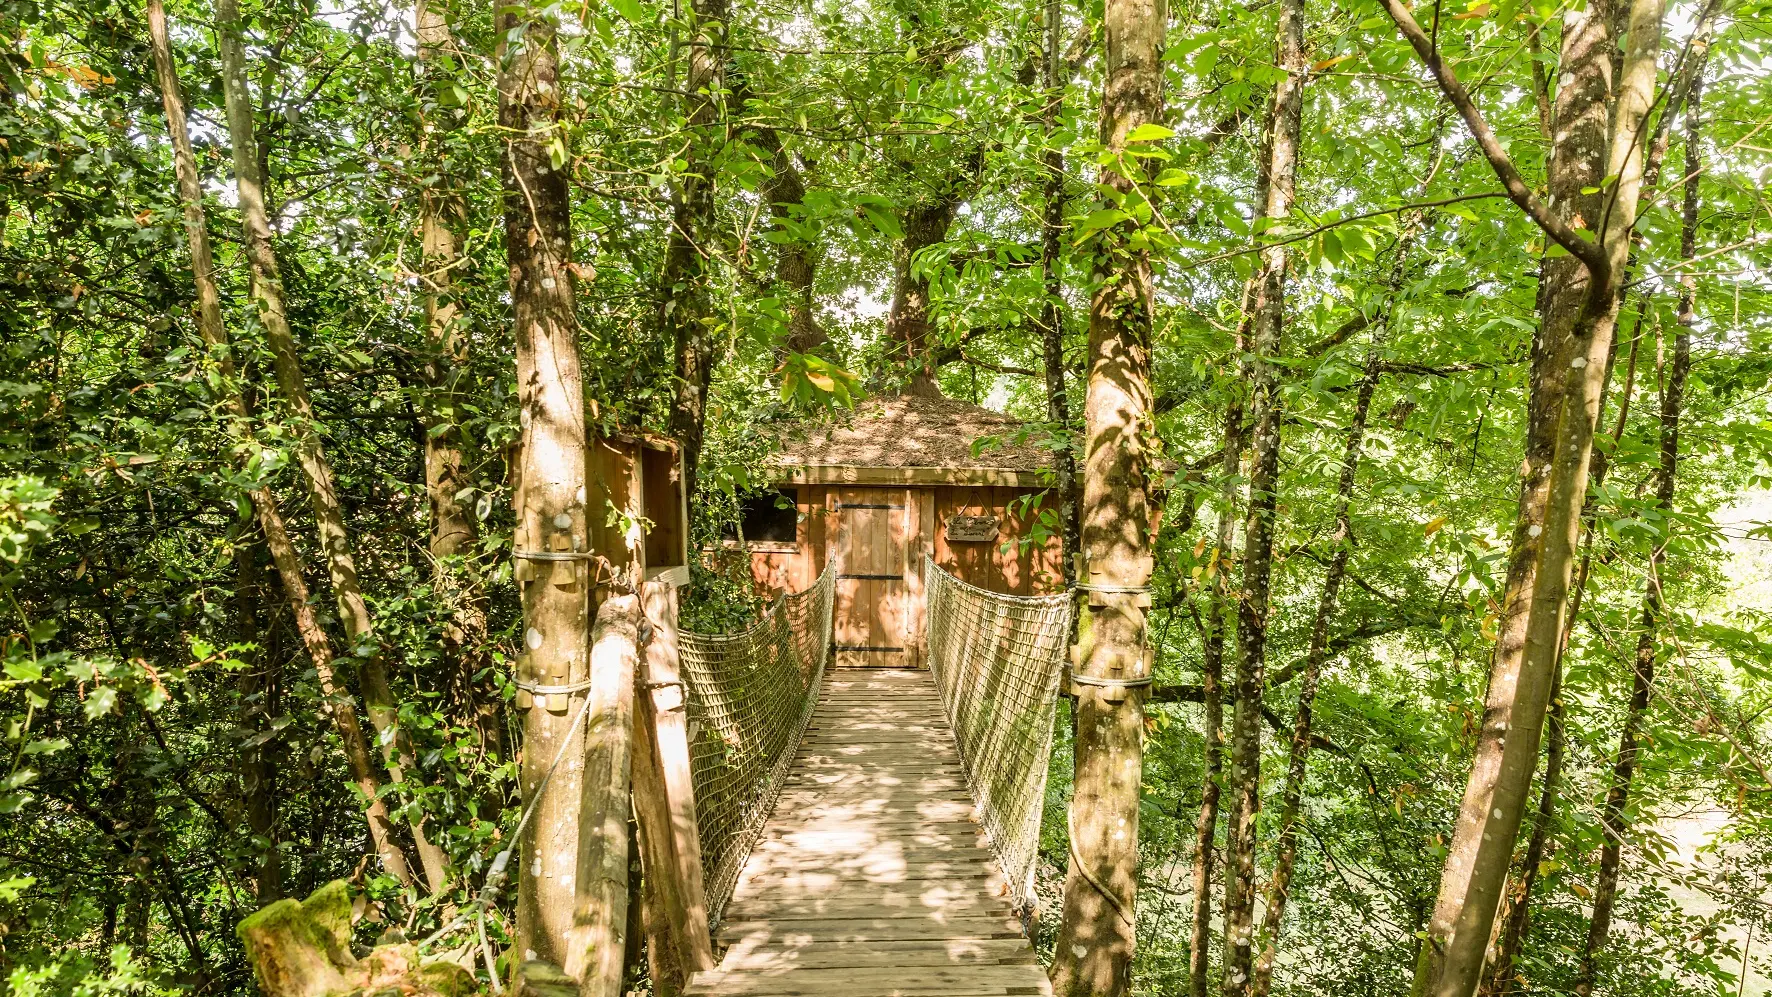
column 749, row 698
column 997, row 662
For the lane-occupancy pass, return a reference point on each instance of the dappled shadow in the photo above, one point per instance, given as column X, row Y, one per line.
column 872, row 876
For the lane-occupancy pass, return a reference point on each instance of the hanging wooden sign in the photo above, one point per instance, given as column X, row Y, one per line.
column 971, row 529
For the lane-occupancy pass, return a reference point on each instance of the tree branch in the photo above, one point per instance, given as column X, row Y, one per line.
column 1589, row 253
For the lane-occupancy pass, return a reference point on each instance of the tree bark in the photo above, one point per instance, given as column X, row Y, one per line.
column 1095, row 943
column 664, row 808
column 338, row 704
column 1317, row 653
column 1052, row 227
column 686, row 308
column 911, row 362
column 258, row 694
column 329, row 518
column 1212, row 695
column 551, row 553
column 1579, row 316
column 599, row 940
column 1275, row 184
column 454, row 529
column 1614, row 817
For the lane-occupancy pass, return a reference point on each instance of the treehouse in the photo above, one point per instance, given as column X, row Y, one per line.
column 880, row 487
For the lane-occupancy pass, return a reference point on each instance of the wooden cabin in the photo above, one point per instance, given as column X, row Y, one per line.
column 881, row 486
column 640, row 475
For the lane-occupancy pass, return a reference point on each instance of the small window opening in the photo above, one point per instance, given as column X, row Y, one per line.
column 770, row 517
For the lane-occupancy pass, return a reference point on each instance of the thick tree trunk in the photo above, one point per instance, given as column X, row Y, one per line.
column 284, row 556
column 453, row 526
column 1096, row 939
column 1317, row 652
column 1275, row 184
column 600, row 939
column 686, row 306
column 1614, row 817
column 910, row 362
column 1058, row 408
column 1576, row 341
column 551, row 555
column 1212, row 642
column 329, row 518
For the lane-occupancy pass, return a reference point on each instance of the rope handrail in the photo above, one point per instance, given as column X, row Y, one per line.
column 998, row 661
column 750, row 696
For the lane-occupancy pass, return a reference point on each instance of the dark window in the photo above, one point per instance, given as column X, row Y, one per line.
column 770, row 517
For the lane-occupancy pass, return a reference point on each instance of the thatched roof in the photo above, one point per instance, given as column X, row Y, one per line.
column 911, row 431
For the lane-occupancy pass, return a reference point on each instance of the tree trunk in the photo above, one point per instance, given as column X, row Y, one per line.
column 664, row 808
column 686, row 307
column 1580, row 314
column 1276, row 180
column 258, row 694
column 1317, row 652
column 453, row 526
column 1058, row 408
column 1212, row 696
column 1096, row 939
column 329, row 519
column 1614, row 816
column 910, row 362
column 597, row 948
column 552, row 567
column 338, row 704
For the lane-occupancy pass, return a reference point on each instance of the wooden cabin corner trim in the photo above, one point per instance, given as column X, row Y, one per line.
column 848, row 474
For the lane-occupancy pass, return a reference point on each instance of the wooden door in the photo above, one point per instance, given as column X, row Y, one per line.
column 878, row 618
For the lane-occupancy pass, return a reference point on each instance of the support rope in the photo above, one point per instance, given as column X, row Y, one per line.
column 997, row 661
column 750, row 696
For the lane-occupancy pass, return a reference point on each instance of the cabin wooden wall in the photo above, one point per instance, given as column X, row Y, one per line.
column 1027, row 569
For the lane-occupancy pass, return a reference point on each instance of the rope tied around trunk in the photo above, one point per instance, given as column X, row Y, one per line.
column 997, row 661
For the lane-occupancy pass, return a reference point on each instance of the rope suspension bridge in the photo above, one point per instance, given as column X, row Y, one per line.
column 874, row 832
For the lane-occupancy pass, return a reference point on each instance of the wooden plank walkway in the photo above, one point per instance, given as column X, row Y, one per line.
column 872, row 878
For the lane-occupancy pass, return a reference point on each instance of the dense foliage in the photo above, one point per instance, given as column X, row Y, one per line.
column 169, row 760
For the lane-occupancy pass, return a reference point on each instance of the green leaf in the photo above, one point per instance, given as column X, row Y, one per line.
column 1149, row 132
column 100, row 701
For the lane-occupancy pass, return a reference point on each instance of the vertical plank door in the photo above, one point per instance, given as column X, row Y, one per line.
column 879, row 588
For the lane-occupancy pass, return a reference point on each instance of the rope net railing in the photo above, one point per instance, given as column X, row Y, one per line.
column 997, row 661
column 749, row 698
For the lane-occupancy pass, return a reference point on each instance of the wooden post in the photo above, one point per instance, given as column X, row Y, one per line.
column 664, row 808
column 596, row 941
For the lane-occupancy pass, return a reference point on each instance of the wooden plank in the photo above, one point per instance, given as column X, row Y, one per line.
column 943, row 952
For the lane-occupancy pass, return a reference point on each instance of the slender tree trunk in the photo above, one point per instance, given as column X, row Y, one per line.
column 1576, row 340
column 454, row 529
column 1212, row 696
column 1096, row 939
column 338, row 703
column 1317, row 652
column 1276, row 181
column 1058, row 408
column 258, row 693
column 550, row 487
column 686, row 306
column 329, row 518
column 1614, row 817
